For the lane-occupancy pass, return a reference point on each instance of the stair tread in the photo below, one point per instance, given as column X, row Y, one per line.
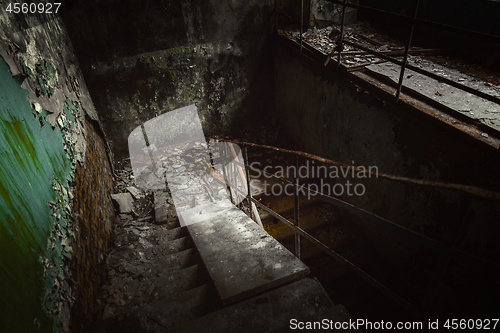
column 241, row 258
column 184, row 306
column 179, row 280
column 304, row 300
column 180, row 259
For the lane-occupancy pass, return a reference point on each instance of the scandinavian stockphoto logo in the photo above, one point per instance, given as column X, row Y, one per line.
column 171, row 149
column 331, row 180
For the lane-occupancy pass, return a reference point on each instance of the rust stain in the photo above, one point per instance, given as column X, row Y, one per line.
column 93, row 212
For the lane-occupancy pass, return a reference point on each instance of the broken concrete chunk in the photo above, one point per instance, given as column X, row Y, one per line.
column 136, row 193
column 125, row 202
column 180, row 180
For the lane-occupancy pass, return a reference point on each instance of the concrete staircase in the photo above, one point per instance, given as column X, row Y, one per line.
column 225, row 274
column 181, row 287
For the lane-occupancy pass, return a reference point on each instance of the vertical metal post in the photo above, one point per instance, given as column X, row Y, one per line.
column 247, row 165
column 407, row 49
column 301, row 22
column 296, row 206
column 341, row 37
column 227, row 164
column 234, row 180
column 150, row 150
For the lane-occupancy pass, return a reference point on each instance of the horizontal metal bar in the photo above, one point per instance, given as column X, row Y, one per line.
column 403, row 231
column 428, row 74
column 397, row 52
column 474, row 190
column 454, row 84
column 358, row 271
column 419, row 238
column 470, row 128
column 378, row 54
column 424, row 22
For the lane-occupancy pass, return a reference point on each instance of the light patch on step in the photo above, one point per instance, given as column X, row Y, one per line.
column 258, row 245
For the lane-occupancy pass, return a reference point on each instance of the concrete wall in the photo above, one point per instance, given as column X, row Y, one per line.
column 143, row 58
column 326, row 13
column 53, row 171
column 329, row 116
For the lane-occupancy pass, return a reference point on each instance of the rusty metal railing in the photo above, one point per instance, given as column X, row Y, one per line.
column 414, row 21
column 444, row 250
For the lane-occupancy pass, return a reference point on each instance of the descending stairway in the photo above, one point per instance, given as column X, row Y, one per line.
column 177, row 284
column 180, row 287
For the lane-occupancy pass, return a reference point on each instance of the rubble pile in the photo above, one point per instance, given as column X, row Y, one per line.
column 362, row 34
column 139, row 240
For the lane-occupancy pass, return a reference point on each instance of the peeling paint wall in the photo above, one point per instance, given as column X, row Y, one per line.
column 331, row 117
column 45, row 111
column 144, row 58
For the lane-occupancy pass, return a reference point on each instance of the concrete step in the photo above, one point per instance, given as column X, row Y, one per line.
column 166, row 235
column 173, row 246
column 161, row 313
column 178, row 311
column 241, row 258
column 177, row 260
column 303, row 300
column 178, row 280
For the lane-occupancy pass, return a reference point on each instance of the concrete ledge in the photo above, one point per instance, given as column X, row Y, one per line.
column 241, row 258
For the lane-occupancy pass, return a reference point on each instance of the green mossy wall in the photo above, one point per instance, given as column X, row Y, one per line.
column 32, row 158
column 49, row 133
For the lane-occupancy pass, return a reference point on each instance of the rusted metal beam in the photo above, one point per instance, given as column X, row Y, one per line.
column 369, row 40
column 429, row 74
column 399, row 52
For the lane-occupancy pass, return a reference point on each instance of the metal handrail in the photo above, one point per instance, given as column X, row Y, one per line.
column 433, row 244
column 422, row 239
column 358, row 271
column 404, row 63
column 403, row 231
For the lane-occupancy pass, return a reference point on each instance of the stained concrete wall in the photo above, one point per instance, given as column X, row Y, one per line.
column 327, row 13
column 143, row 58
column 51, row 152
column 331, row 117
